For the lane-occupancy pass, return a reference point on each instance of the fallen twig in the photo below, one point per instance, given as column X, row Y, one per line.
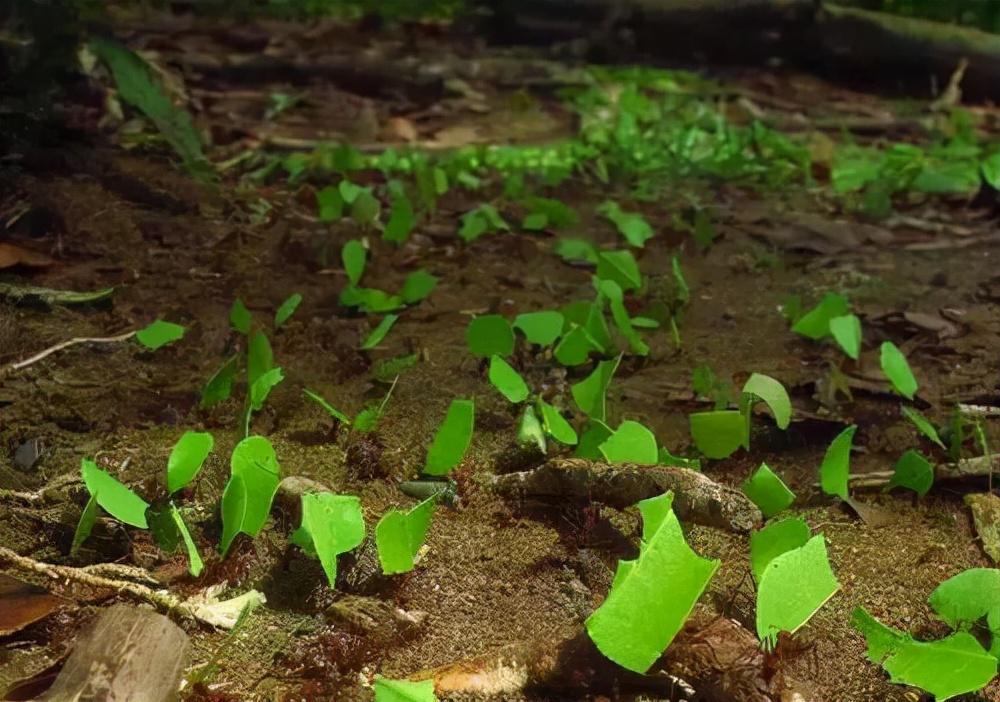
column 18, row 365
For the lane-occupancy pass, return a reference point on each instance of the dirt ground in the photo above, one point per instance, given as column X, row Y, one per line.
column 497, row 578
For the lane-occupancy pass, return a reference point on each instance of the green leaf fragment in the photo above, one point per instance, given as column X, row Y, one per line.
column 815, row 324
column 507, row 380
column 719, row 433
column 194, row 558
column 792, row 587
column 260, row 357
column 913, row 471
column 330, row 409
column 773, row 393
column 399, row 536
column 555, row 424
column 768, row 491
column 262, row 387
column 541, row 328
column 596, row 433
column 897, row 370
column 403, row 690
column 773, row 540
column 86, row 524
column 846, row 331
column 286, row 309
column 488, row 335
column 590, row 393
column 354, row 256
column 159, row 333
column 334, row 524
column 631, row 443
column 234, row 509
column 219, row 387
column 186, row 459
column 255, row 461
column 240, row 318
column 379, row 333
column 452, row 439
column 621, row 267
column 417, row 286
column 114, row 497
column 923, row 425
column 530, row 429
column 836, row 464
column 653, row 595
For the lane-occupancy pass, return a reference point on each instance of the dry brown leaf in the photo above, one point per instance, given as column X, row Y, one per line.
column 22, row 604
column 12, row 255
column 404, row 129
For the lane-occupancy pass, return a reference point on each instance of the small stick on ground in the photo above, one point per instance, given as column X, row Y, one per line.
column 64, row 345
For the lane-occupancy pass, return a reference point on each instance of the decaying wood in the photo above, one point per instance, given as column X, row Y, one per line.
column 128, row 654
column 697, row 499
column 980, row 466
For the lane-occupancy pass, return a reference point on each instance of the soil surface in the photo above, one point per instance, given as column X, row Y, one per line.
column 500, row 580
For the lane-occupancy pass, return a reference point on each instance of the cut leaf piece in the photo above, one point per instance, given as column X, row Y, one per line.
column 403, row 690
column 792, row 587
column 768, row 491
column 945, row 668
column 186, row 459
column 262, row 387
column 488, row 335
column 84, row 526
column 379, row 332
column 159, row 333
column 619, row 266
column 115, row 498
column 836, row 464
column 773, row 540
column 653, row 595
column 718, row 434
column 240, row 318
column 575, row 347
column 815, row 324
column 234, row 510
column 399, row 536
column 846, row 331
column 530, row 430
column 555, row 424
column 590, row 394
column 334, row 524
column 923, row 425
column 194, row 558
column 964, row 599
column 773, row 393
column 897, row 370
column 286, row 309
column 913, row 471
column 631, row 443
column 452, row 438
column 354, row 256
column 417, row 286
column 507, row 380
column 597, row 433
column 256, row 463
column 541, row 328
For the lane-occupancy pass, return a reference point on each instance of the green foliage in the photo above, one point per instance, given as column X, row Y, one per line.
column 220, row 386
column 555, row 425
column 616, row 300
column 955, row 664
column 631, row 443
column 286, row 309
column 330, row 409
column 186, row 459
column 116, row 499
column 640, row 617
column 137, row 85
column 545, row 212
column 913, row 471
column 256, row 463
column 768, row 491
column 923, row 425
column 836, row 464
column 719, row 433
column 403, row 690
column 621, row 267
column 240, row 318
column 706, row 383
column 573, row 250
column 452, row 438
column 846, row 331
column 591, row 392
column 234, row 509
column 399, row 536
column 331, row 525
column 589, row 446
column 507, row 380
column 897, row 370
column 194, row 558
column 86, row 524
column 772, row 393
column 354, row 256
column 488, row 335
column 530, row 429
column 815, row 324
column 159, row 333
column 630, row 225
column 792, row 587
column 773, row 540
column 402, row 220
column 379, row 333
column 542, row 328
column 417, row 286
column 483, row 220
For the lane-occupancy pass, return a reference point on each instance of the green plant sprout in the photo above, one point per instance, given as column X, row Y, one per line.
column 793, row 584
column 897, row 370
column 768, row 491
column 246, row 500
column 159, row 333
column 630, row 225
column 403, row 690
column 482, row 220
column 956, row 664
column 836, row 465
column 452, row 439
column 331, row 525
column 913, row 471
column 640, row 617
column 719, row 433
column 400, row 535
